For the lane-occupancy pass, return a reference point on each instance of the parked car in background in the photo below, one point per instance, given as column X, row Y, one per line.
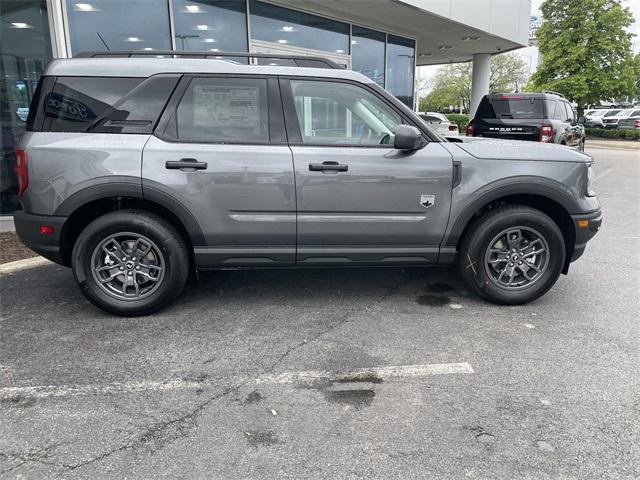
column 611, row 119
column 538, row 117
column 440, row 123
column 631, row 122
column 593, row 118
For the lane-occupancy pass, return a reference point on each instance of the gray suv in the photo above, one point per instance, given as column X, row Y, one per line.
column 139, row 171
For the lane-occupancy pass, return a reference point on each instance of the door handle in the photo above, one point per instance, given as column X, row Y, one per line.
column 328, row 166
column 186, row 164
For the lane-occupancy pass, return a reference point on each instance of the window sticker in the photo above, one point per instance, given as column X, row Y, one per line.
column 217, row 106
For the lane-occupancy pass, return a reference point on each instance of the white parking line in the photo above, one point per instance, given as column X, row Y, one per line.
column 18, row 265
column 402, row 371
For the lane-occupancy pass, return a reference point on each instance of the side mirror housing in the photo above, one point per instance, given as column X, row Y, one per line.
column 582, row 120
column 408, row 138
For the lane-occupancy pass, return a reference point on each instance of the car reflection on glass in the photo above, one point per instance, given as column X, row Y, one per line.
column 23, row 113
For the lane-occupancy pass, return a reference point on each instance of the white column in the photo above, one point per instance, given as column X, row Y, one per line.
column 56, row 28
column 479, row 80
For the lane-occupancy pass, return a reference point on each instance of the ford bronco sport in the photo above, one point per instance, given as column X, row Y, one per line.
column 137, row 171
column 545, row 117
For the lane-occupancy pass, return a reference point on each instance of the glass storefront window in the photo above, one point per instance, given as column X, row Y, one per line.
column 210, row 25
column 289, row 27
column 100, row 25
column 367, row 53
column 25, row 49
column 400, row 68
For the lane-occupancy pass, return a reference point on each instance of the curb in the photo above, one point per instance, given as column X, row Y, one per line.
column 25, row 264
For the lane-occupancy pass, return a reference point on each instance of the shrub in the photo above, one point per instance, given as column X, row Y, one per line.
column 460, row 119
column 623, row 134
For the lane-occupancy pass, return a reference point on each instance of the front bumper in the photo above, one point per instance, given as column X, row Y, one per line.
column 586, row 226
column 45, row 244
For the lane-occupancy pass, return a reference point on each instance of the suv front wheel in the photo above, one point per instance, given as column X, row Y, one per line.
column 130, row 262
column 512, row 255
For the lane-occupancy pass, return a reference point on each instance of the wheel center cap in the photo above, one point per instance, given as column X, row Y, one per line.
column 129, row 265
column 514, row 257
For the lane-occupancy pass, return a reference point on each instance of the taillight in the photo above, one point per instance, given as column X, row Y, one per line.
column 470, row 131
column 453, row 127
column 637, row 123
column 546, row 133
column 22, row 171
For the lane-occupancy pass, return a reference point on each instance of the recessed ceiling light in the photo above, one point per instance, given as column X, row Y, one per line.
column 470, row 39
column 85, row 7
column 354, row 42
column 287, row 28
column 426, row 55
column 20, row 25
column 273, row 64
column 202, row 27
column 148, row 49
column 214, row 49
column 339, row 51
column 133, row 39
column 209, row 40
column 283, row 41
column 445, row 47
column 192, row 8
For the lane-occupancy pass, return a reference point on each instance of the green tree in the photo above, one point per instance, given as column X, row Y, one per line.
column 586, row 51
column 451, row 84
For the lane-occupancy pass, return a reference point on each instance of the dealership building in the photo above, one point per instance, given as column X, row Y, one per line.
column 383, row 39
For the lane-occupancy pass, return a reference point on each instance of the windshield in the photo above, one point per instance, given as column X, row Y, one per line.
column 598, row 113
column 611, row 113
column 516, row 107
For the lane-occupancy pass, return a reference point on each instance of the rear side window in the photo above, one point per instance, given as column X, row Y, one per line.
column 76, row 103
column 517, row 107
column 224, row 110
column 430, row 118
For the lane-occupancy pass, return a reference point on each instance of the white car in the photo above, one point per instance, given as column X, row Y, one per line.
column 632, row 121
column 611, row 119
column 440, row 123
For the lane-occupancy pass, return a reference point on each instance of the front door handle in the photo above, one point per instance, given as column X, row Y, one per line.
column 188, row 164
column 328, row 166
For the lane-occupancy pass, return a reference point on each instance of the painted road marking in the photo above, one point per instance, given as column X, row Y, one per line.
column 401, row 371
column 25, row 264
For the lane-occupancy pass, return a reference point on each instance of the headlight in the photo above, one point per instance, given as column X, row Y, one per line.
column 590, row 192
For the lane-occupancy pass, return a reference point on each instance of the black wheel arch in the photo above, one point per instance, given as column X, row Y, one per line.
column 89, row 203
column 543, row 197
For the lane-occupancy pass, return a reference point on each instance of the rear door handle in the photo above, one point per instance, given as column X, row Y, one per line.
column 328, row 166
column 186, row 164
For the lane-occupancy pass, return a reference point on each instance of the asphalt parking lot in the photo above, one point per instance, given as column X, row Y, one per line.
column 368, row 373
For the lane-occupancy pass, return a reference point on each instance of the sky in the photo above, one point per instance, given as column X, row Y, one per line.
column 530, row 54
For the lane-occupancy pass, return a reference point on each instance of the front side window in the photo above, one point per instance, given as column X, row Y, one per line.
column 224, row 110
column 331, row 113
column 75, row 103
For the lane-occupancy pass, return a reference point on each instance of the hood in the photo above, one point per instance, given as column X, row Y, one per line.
column 516, row 150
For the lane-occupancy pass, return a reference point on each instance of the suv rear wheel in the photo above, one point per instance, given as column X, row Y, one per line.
column 130, row 262
column 512, row 255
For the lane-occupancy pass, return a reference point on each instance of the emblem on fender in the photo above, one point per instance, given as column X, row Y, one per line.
column 427, row 200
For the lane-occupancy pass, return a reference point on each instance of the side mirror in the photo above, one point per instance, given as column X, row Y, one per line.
column 582, row 120
column 408, row 138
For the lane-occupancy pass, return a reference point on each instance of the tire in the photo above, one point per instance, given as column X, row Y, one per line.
column 148, row 282
column 483, row 255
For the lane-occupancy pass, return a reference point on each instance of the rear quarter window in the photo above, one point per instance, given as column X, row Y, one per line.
column 76, row 103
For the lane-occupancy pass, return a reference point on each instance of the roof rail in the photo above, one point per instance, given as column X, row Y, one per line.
column 299, row 60
column 554, row 93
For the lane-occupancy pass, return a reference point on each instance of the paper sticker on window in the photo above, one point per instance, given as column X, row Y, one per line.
column 217, row 106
